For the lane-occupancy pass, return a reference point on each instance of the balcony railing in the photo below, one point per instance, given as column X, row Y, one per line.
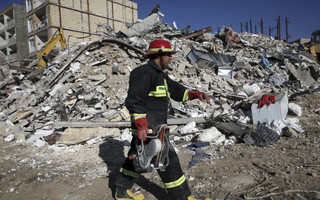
column 10, row 23
column 12, row 40
column 3, row 44
column 42, row 24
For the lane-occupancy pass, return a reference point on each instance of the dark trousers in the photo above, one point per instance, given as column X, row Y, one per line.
column 172, row 174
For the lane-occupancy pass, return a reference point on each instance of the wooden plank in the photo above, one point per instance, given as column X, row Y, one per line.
column 124, row 124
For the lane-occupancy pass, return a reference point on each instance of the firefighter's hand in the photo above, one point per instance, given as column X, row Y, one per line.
column 142, row 126
column 192, row 94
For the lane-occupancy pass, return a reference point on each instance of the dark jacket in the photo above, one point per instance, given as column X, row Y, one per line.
column 149, row 92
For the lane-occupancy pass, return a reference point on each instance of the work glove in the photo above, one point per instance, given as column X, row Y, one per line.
column 192, row 94
column 142, row 126
column 266, row 100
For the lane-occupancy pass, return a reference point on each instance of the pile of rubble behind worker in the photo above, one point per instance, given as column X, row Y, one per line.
column 249, row 78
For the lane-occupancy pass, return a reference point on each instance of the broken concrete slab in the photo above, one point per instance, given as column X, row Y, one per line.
column 77, row 135
column 143, row 26
column 302, row 75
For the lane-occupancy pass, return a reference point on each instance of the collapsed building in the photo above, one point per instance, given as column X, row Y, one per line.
column 79, row 97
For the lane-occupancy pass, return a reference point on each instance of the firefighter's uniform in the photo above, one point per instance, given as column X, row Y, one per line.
column 149, row 92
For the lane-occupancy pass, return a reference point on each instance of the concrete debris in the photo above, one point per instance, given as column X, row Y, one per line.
column 9, row 138
column 211, row 135
column 251, row 89
column 143, row 26
column 188, row 128
column 77, row 135
column 87, row 85
column 277, row 79
column 295, row 108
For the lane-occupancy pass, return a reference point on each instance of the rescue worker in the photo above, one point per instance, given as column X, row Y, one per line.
column 150, row 89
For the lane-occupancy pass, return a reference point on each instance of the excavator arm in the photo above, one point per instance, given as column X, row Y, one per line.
column 315, row 51
column 58, row 36
column 313, row 46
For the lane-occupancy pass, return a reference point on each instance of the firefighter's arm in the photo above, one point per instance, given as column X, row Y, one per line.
column 141, row 123
column 193, row 94
column 135, row 102
column 180, row 93
column 177, row 91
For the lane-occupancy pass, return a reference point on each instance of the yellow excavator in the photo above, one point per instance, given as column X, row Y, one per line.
column 314, row 45
column 58, row 36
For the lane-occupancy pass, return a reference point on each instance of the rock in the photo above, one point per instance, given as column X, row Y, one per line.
column 9, row 138
column 251, row 89
column 125, row 114
column 211, row 135
column 295, row 108
column 188, row 128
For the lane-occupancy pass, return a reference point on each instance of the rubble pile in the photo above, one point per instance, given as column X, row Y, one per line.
column 87, row 84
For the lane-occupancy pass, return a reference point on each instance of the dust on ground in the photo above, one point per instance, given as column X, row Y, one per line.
column 289, row 169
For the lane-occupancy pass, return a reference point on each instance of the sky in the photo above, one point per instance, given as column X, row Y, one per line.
column 303, row 15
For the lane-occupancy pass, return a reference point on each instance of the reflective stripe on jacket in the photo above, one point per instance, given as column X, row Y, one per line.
column 149, row 92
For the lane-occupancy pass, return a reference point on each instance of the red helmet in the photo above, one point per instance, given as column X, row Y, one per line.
column 159, row 46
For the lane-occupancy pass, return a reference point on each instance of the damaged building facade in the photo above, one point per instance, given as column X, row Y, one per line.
column 81, row 21
column 12, row 34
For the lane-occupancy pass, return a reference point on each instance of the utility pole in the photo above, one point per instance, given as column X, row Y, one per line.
column 244, row 26
column 255, row 29
column 261, row 25
column 271, row 29
column 278, row 28
column 250, row 26
column 287, row 33
column 240, row 27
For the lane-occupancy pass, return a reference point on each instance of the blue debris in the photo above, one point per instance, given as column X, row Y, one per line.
column 199, row 153
column 264, row 60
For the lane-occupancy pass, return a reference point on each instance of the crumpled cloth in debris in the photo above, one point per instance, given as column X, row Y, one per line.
column 261, row 136
column 199, row 153
column 266, row 100
column 265, row 61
